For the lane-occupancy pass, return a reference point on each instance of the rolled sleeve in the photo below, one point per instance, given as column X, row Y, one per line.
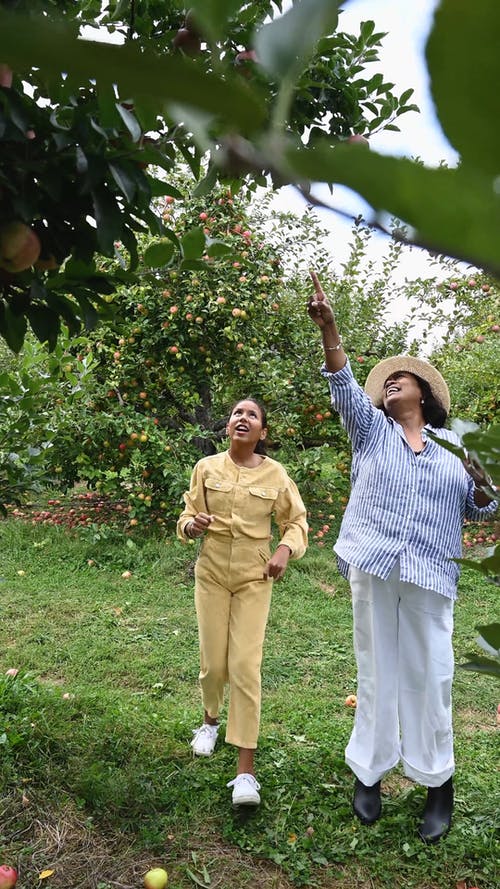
column 352, row 403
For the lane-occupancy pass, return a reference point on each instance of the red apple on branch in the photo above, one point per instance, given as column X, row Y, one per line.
column 6, row 75
column 19, row 246
column 187, row 41
column 358, row 139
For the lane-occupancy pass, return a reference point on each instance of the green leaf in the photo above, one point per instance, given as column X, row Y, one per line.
column 159, row 187
column 108, row 114
column 198, row 881
column 90, row 316
column 405, row 96
column 167, row 188
column 9, row 385
column 455, row 212
column 213, row 15
column 130, row 243
column 66, row 310
column 464, row 67
column 367, row 29
column 482, row 665
column 33, row 41
column 12, row 328
column 285, row 45
column 75, row 268
column 193, row 265
column 218, row 248
column 172, row 237
column 158, row 254
column 193, row 243
column 206, row 185
column 484, row 447
column 100, row 284
column 125, row 183
column 488, row 566
column 192, row 158
column 44, row 324
column 108, row 219
column 150, row 155
column 490, row 633
column 130, row 122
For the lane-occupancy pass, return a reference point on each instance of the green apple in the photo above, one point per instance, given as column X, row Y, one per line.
column 156, row 878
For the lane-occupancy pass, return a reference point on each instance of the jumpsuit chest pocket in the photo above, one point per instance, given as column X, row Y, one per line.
column 219, row 496
column 262, row 500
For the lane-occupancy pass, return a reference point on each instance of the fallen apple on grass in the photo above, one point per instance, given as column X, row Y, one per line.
column 351, row 701
column 156, row 878
column 8, row 876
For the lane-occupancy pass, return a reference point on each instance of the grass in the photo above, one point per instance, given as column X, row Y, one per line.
column 97, row 780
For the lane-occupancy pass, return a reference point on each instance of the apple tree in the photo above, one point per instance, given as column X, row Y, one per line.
column 187, row 343
column 468, row 314
column 33, row 386
column 91, row 132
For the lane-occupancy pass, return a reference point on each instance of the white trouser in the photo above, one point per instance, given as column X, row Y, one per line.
column 403, row 648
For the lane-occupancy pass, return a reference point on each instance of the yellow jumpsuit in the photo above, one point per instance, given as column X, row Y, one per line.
column 232, row 596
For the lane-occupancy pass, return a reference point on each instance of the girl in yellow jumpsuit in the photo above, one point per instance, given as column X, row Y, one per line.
column 230, row 502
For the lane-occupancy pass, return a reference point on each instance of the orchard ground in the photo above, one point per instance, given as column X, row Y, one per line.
column 98, row 784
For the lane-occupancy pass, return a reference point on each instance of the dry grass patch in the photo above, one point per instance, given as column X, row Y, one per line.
column 472, row 721
column 83, row 856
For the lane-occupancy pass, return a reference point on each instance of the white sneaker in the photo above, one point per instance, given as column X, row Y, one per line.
column 245, row 790
column 205, row 739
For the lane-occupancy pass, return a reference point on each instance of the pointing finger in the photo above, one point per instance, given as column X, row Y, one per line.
column 317, row 285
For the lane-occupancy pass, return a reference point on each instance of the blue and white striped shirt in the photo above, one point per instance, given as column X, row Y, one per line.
column 402, row 506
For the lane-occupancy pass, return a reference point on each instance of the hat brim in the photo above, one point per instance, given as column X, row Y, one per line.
column 374, row 386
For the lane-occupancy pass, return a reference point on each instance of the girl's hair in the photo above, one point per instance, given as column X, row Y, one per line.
column 432, row 409
column 260, row 447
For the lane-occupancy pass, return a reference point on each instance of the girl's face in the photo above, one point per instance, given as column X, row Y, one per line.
column 245, row 423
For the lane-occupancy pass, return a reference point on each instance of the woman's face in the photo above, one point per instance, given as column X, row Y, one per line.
column 401, row 389
column 245, row 423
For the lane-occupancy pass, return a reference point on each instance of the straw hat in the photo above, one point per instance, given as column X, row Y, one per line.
column 374, row 386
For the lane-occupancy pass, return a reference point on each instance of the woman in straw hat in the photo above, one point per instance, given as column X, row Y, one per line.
column 400, row 533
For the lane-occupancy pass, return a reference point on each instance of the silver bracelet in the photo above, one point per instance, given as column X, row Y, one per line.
column 334, row 348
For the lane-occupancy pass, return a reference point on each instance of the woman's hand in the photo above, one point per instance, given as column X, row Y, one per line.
column 276, row 566
column 318, row 307
column 484, row 489
column 476, row 472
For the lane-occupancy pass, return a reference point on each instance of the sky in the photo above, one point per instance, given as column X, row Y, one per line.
column 402, row 62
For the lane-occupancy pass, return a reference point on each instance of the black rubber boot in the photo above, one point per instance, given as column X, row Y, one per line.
column 366, row 803
column 437, row 813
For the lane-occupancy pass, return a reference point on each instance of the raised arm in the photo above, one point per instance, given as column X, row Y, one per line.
column 321, row 312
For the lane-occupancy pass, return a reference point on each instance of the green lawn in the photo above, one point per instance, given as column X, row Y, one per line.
column 97, row 779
